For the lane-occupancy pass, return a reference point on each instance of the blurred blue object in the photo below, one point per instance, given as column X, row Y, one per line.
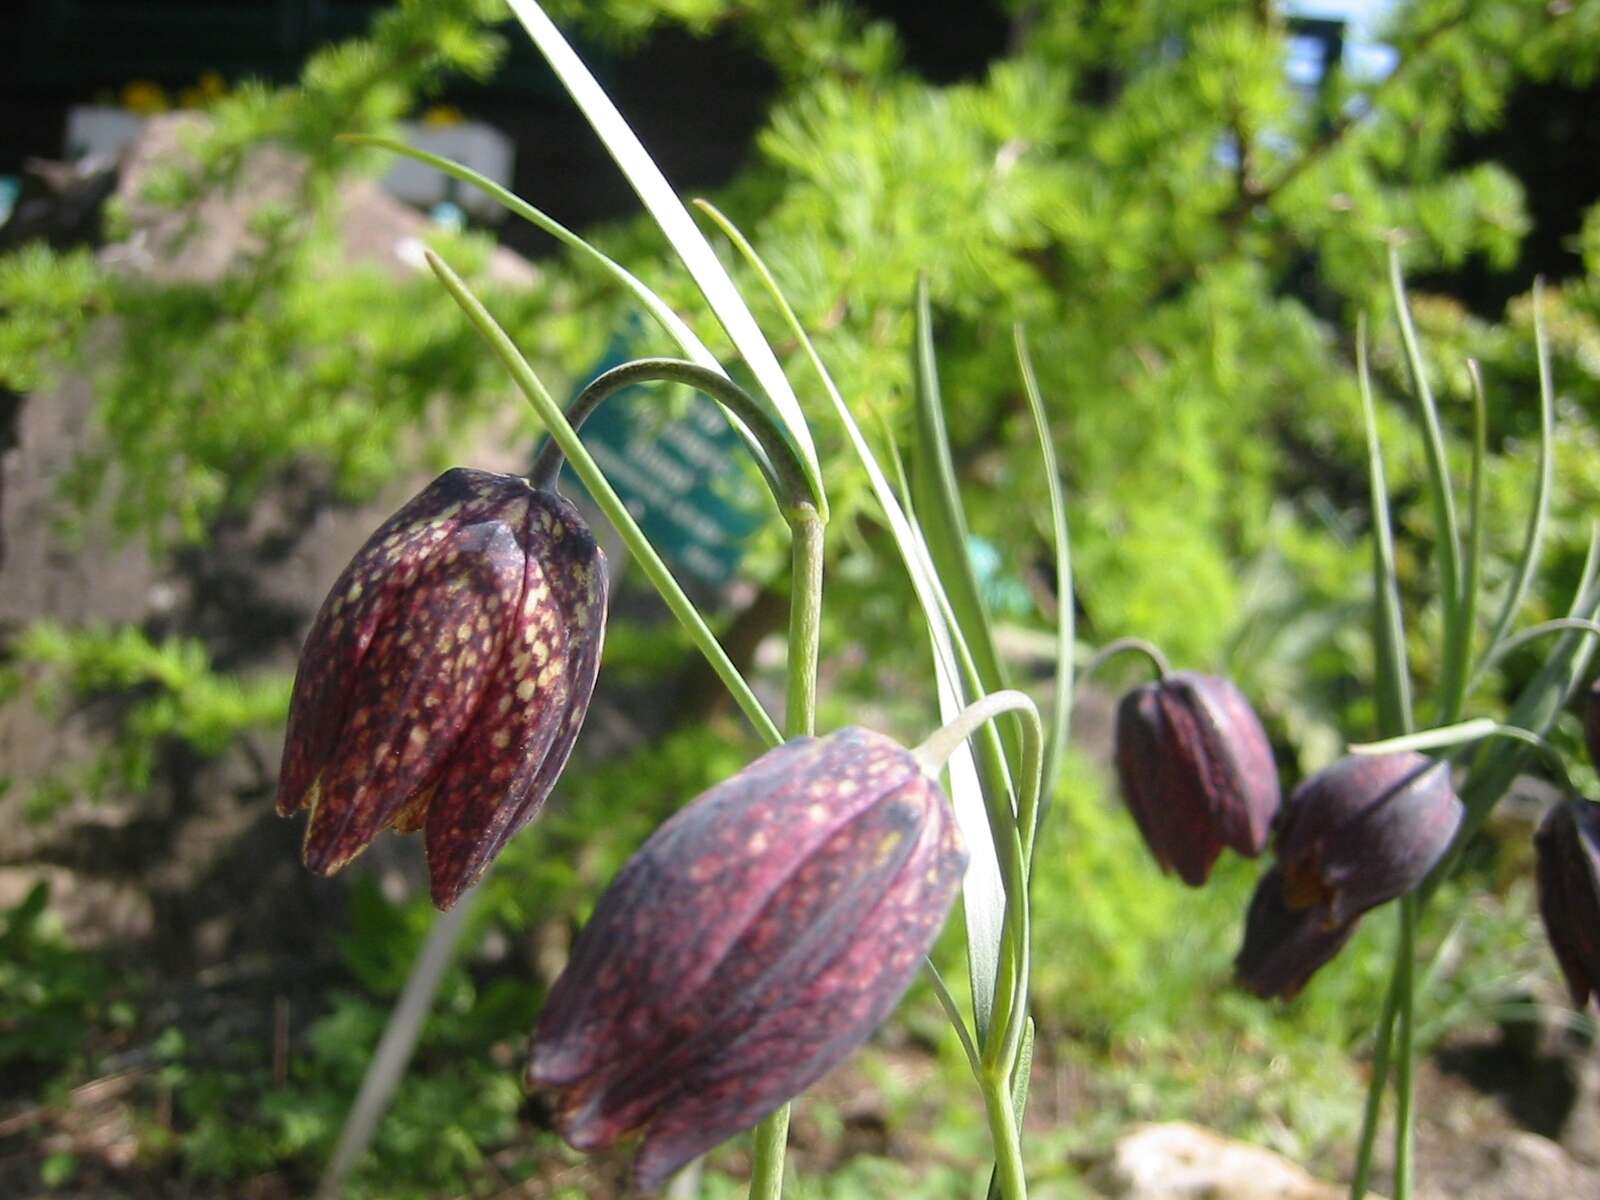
column 1004, row 593
column 448, row 214
column 10, row 189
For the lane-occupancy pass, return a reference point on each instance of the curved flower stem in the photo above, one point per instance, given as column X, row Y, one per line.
column 1127, row 645
column 805, row 620
column 939, row 745
column 785, row 476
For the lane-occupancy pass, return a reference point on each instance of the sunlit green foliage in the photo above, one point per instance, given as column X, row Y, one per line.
column 156, row 693
column 52, row 993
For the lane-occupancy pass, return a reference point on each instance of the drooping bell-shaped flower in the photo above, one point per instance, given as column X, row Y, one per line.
column 1363, row 831
column 754, row 941
column 445, row 677
column 1568, row 871
column 1284, row 947
column 1196, row 771
column 1360, row 833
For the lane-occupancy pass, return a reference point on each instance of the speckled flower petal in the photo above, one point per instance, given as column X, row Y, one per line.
column 415, row 689
column 382, row 570
column 503, row 768
column 791, row 942
column 824, row 1017
column 671, row 915
column 753, row 942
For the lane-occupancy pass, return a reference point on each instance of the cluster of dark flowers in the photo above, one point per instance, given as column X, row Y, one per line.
column 761, row 934
column 755, row 940
column 1198, row 774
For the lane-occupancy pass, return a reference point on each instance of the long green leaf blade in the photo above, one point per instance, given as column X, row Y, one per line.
column 674, row 325
column 1533, row 541
column 693, row 348
column 939, row 509
column 657, row 571
column 679, row 229
column 1389, row 636
column 1472, row 581
column 1452, row 688
column 1066, row 616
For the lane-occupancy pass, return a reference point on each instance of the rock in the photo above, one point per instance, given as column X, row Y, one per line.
column 1179, row 1161
column 193, row 844
column 198, row 244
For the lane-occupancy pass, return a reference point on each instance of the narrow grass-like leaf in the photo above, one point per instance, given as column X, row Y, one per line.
column 1431, row 739
column 1388, row 624
column 952, row 1010
column 1447, row 531
column 674, row 325
column 1497, row 762
column 986, row 971
column 983, row 893
column 1535, row 632
column 657, row 571
column 1024, row 1069
column 693, row 348
column 1533, row 541
column 679, row 229
column 1472, row 580
column 1066, row 616
column 940, row 513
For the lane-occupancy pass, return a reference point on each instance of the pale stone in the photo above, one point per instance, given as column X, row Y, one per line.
column 1179, row 1161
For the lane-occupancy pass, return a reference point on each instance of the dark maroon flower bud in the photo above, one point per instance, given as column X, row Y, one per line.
column 444, row 680
column 1364, row 831
column 1283, row 947
column 1196, row 770
column 1568, row 849
column 752, row 943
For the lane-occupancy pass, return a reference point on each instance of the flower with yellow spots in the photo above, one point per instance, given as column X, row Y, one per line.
column 414, row 706
column 754, row 941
